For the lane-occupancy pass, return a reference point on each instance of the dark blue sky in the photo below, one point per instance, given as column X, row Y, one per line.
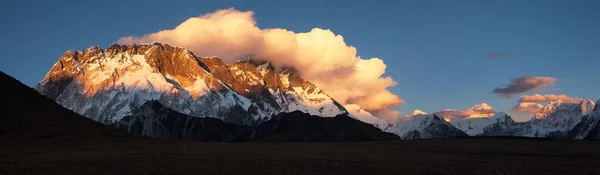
column 435, row 50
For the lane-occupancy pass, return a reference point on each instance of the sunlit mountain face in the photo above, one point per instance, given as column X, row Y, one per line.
column 107, row 85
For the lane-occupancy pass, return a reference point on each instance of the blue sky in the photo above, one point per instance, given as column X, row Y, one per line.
column 435, row 50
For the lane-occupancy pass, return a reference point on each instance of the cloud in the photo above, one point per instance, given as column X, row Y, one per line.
column 417, row 112
column 530, row 103
column 549, row 97
column 530, row 107
column 386, row 114
column 524, row 84
column 319, row 55
column 477, row 111
column 481, row 110
column 491, row 55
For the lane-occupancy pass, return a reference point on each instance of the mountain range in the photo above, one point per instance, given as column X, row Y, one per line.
column 558, row 120
column 107, row 85
column 163, row 91
column 168, row 92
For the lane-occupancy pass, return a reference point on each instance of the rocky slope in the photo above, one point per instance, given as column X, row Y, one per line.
column 28, row 118
column 299, row 126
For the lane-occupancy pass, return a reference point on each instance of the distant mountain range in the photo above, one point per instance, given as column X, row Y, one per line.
column 163, row 91
column 558, row 119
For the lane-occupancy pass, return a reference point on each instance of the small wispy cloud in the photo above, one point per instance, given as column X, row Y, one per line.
column 549, row 97
column 492, row 55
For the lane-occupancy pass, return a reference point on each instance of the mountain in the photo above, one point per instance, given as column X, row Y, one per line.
column 30, row 118
column 425, row 126
column 299, row 126
column 591, row 121
column 108, row 85
column 495, row 124
column 168, row 92
column 278, row 91
column 500, row 124
column 156, row 120
column 589, row 126
column 52, row 121
column 559, row 117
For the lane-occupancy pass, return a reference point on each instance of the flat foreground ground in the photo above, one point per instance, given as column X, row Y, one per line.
column 444, row 156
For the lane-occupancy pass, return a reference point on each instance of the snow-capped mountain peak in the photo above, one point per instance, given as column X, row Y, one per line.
column 582, row 107
column 587, row 106
column 548, row 109
column 476, row 126
column 559, row 116
column 566, row 108
column 424, row 126
column 416, row 122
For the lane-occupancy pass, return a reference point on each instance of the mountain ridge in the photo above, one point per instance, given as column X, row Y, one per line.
column 425, row 126
column 129, row 75
column 28, row 116
column 558, row 119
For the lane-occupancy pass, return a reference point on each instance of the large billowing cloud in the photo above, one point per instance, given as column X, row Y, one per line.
column 524, row 84
column 320, row 55
column 477, row 111
column 530, row 107
column 549, row 97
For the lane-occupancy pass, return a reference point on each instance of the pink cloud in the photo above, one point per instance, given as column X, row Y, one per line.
column 548, row 97
column 530, row 107
column 524, row 84
column 477, row 111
